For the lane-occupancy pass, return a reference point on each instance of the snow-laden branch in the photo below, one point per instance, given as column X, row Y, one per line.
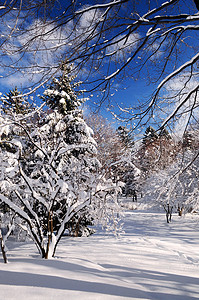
column 70, row 148
column 16, row 209
column 171, row 75
column 100, row 6
column 157, row 9
column 30, row 138
column 20, row 212
column 180, row 28
column 32, row 213
column 34, row 194
column 189, row 63
column 74, row 209
column 179, row 106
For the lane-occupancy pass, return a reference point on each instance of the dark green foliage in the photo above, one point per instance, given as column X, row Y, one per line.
column 7, row 146
column 15, row 103
column 4, row 208
column 150, row 135
column 80, row 225
column 60, row 95
column 125, row 136
column 165, row 134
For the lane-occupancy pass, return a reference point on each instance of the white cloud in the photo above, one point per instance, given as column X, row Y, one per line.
column 45, row 48
column 177, row 91
column 122, row 45
column 184, row 82
column 43, row 53
column 89, row 19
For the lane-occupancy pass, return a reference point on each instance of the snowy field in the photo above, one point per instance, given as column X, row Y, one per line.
column 153, row 260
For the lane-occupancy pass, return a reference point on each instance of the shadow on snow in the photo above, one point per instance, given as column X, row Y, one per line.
column 180, row 282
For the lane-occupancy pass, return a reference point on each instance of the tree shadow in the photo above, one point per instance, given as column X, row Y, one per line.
column 54, row 282
column 153, row 285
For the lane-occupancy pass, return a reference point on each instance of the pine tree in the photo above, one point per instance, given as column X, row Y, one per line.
column 164, row 134
column 125, row 136
column 14, row 102
column 150, row 135
column 60, row 95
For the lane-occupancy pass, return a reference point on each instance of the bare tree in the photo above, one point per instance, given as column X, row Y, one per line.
column 156, row 152
column 107, row 41
column 109, row 145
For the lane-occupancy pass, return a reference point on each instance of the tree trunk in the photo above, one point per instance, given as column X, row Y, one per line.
column 168, row 210
column 180, row 210
column 3, row 248
column 167, row 217
column 50, row 232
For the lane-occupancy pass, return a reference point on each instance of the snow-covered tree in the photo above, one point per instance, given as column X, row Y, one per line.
column 51, row 178
column 125, row 136
column 150, row 135
column 14, row 103
column 115, row 152
column 157, row 151
column 174, row 188
column 110, row 147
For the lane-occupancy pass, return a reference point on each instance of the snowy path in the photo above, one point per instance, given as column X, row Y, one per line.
column 153, row 260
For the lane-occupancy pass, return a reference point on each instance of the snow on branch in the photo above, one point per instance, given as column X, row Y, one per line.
column 74, row 209
column 171, row 75
column 100, row 6
column 35, row 195
column 31, row 212
column 174, row 112
column 16, row 209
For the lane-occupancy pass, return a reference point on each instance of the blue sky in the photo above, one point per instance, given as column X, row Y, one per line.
column 135, row 90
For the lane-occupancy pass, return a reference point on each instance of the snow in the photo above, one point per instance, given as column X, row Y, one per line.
column 153, row 260
column 65, row 95
column 52, row 245
column 180, row 69
column 39, row 154
column 62, row 101
column 112, row 75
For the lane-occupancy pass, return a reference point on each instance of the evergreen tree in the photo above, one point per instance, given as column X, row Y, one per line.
column 164, row 134
column 14, row 102
column 150, row 135
column 125, row 136
column 60, row 95
column 52, row 181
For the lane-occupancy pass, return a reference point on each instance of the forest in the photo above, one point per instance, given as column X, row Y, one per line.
column 99, row 139
column 63, row 172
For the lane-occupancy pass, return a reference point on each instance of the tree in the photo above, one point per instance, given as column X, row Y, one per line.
column 109, row 145
column 190, row 140
column 125, row 136
column 150, row 135
column 174, row 188
column 3, row 248
column 51, row 176
column 15, row 103
column 115, row 153
column 157, row 151
column 131, row 38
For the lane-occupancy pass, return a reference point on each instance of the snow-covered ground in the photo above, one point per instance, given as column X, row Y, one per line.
column 153, row 260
